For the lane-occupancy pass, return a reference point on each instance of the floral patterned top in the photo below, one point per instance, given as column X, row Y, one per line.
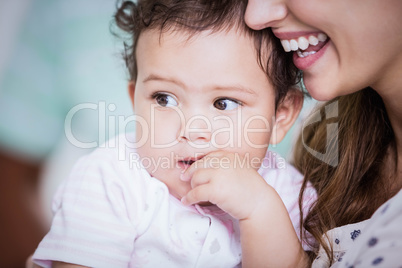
column 376, row 242
column 341, row 238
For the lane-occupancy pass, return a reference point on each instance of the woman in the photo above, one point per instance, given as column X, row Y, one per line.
column 350, row 49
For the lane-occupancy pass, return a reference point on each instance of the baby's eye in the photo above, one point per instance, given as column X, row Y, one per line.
column 165, row 100
column 226, row 104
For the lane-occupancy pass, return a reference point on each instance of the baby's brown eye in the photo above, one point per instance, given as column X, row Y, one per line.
column 220, row 104
column 226, row 104
column 165, row 100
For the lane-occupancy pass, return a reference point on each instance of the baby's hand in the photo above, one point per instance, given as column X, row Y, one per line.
column 220, row 178
column 244, row 194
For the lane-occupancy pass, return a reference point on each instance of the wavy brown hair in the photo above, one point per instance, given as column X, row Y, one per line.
column 352, row 190
column 195, row 16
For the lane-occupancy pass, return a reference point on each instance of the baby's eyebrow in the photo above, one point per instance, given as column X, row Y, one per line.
column 235, row 87
column 238, row 88
column 155, row 77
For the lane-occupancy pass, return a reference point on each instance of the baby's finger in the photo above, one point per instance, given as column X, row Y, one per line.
column 189, row 172
column 197, row 195
column 213, row 160
column 197, row 165
column 200, row 176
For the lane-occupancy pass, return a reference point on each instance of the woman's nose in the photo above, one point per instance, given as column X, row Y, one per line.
column 262, row 14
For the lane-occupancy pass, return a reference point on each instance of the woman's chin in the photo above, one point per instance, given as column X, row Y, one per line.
column 318, row 91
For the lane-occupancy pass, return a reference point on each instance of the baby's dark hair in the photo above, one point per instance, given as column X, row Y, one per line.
column 195, row 16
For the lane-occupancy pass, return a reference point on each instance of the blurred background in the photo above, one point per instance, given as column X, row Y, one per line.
column 54, row 55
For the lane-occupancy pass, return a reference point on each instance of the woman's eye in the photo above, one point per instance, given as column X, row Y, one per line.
column 165, row 100
column 226, row 104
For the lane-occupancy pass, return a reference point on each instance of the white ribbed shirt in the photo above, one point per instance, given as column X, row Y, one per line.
column 112, row 213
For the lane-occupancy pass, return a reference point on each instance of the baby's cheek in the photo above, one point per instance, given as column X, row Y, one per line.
column 223, row 139
column 165, row 127
column 225, row 133
column 256, row 133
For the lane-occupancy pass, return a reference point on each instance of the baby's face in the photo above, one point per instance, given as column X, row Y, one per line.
column 199, row 96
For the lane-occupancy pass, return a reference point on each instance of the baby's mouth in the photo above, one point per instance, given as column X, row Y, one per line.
column 187, row 162
column 305, row 45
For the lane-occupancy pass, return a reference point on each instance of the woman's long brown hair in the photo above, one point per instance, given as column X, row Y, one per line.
column 355, row 187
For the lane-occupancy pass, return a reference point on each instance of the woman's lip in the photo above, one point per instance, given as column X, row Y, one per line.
column 306, row 62
column 294, row 35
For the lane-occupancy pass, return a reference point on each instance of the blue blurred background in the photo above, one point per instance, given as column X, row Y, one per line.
column 54, row 55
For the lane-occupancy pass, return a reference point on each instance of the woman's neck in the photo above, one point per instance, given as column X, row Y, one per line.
column 391, row 92
column 393, row 105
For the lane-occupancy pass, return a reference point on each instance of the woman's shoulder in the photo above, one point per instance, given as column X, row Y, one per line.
column 375, row 242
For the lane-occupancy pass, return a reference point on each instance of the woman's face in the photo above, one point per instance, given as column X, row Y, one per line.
column 342, row 46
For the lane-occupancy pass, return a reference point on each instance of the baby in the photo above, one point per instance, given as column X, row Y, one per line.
column 205, row 113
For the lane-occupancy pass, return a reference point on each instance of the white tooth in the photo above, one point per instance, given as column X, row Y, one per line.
column 313, row 40
column 322, row 37
column 305, row 53
column 293, row 45
column 300, row 54
column 303, row 43
column 286, row 45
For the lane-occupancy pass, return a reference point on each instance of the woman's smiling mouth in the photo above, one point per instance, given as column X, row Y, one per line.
column 305, row 45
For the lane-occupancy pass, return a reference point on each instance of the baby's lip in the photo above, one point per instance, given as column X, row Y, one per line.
column 188, row 161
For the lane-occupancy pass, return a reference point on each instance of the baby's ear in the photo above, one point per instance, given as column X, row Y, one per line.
column 286, row 114
column 131, row 91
